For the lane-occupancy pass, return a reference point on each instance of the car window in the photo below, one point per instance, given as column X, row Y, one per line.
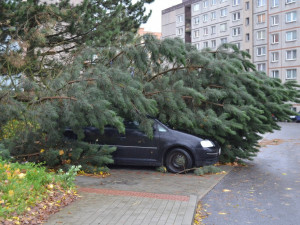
column 131, row 125
column 161, row 128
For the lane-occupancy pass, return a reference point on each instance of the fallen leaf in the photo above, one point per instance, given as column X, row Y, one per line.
column 284, row 174
column 222, row 213
column 288, row 189
column 226, row 190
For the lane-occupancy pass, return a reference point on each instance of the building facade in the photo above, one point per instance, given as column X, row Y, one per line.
column 268, row 29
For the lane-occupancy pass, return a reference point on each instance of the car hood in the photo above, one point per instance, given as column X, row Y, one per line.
column 185, row 136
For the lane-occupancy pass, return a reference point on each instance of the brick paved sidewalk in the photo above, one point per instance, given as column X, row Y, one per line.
column 104, row 206
column 137, row 196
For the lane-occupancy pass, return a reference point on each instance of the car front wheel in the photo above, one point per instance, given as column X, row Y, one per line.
column 178, row 160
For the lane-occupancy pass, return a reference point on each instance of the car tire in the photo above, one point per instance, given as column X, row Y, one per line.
column 178, row 160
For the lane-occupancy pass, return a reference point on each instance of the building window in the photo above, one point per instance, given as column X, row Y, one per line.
column 247, row 37
column 275, row 38
column 205, row 18
column 179, row 31
column 261, row 51
column 289, row 1
column 235, row 2
column 275, row 20
column 236, row 16
column 291, row 54
column 196, row 20
column 205, row 4
column 291, row 17
column 261, row 3
column 275, row 74
column 197, row 46
column 205, row 44
column 274, row 56
column 291, row 35
column 238, row 45
column 261, row 35
column 247, row 5
column 213, row 43
column 223, row 40
column 205, row 31
column 261, row 67
column 213, row 15
column 236, row 31
column 196, row 33
column 213, row 2
column 180, row 19
column 291, row 74
column 223, row 12
column 261, row 18
column 223, row 27
column 274, row 3
column 221, row 1
column 247, row 21
column 213, row 29
column 196, row 7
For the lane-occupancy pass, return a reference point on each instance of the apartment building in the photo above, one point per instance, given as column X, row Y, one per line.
column 268, row 29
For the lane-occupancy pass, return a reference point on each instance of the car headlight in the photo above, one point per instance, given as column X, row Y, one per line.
column 206, row 144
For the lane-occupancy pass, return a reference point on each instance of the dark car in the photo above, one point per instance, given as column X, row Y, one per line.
column 176, row 150
column 297, row 118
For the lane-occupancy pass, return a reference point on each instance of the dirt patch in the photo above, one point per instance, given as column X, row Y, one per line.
column 266, row 142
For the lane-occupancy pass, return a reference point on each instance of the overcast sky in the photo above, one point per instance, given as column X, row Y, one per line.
column 154, row 22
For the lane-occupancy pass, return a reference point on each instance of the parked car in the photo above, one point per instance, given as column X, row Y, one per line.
column 174, row 149
column 297, row 118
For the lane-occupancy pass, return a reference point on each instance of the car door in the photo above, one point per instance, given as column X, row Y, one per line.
column 135, row 148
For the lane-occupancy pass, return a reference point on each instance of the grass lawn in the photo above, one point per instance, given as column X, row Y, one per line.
column 29, row 194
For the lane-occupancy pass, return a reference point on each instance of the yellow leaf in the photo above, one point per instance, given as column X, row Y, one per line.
column 288, row 189
column 10, row 193
column 17, row 171
column 283, row 173
column 61, row 152
column 226, row 190
column 222, row 213
column 21, row 175
column 50, row 186
column 1, row 201
column 42, row 150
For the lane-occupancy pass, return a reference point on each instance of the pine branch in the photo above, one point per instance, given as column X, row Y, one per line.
column 75, row 81
column 191, row 97
column 215, row 86
column 27, row 155
column 52, row 98
column 174, row 69
column 156, row 92
column 121, row 53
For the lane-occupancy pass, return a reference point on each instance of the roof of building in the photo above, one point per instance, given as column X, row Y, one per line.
column 183, row 4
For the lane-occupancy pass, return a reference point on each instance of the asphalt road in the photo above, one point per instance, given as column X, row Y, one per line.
column 267, row 190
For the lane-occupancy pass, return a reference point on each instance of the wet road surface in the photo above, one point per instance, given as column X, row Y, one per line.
column 267, row 190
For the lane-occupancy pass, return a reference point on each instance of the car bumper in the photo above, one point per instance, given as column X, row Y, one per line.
column 210, row 158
